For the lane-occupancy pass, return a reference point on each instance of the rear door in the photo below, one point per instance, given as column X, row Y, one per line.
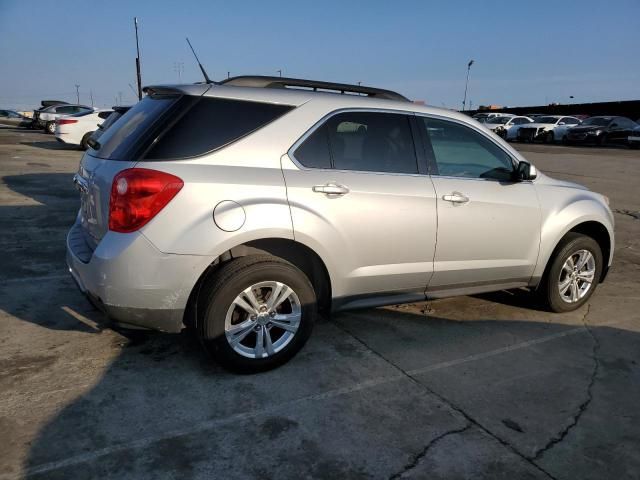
column 488, row 224
column 359, row 195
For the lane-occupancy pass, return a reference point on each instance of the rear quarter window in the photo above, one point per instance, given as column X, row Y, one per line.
column 212, row 123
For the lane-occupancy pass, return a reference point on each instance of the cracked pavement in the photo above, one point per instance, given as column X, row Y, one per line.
column 488, row 386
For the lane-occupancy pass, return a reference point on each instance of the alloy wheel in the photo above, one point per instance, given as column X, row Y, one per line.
column 576, row 276
column 263, row 319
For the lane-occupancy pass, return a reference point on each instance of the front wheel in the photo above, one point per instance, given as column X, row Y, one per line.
column 573, row 274
column 255, row 313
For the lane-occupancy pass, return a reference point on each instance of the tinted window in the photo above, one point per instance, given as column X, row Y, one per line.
column 102, row 115
column 569, row 121
column 66, row 109
column 460, row 151
column 624, row 122
column 212, row 123
column 372, row 141
column 314, row 151
column 124, row 140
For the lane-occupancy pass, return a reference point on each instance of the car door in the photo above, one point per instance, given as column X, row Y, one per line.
column 619, row 130
column 360, row 199
column 488, row 224
column 564, row 125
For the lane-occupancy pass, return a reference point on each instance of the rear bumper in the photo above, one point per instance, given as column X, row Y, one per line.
column 136, row 285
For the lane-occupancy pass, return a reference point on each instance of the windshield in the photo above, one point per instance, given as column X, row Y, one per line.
column 499, row 120
column 597, row 121
column 547, row 119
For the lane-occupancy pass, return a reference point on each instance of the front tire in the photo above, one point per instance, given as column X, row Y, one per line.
column 255, row 313
column 573, row 274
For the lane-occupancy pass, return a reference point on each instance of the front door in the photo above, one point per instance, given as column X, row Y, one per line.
column 358, row 199
column 488, row 224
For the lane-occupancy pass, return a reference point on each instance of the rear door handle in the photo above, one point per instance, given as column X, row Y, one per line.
column 331, row 189
column 455, row 197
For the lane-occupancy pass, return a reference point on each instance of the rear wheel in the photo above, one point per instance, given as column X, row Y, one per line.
column 255, row 313
column 573, row 274
column 85, row 138
column 50, row 127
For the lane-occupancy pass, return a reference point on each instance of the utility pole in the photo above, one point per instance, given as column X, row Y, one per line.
column 466, row 85
column 228, row 74
column 279, row 72
column 77, row 94
column 91, row 95
column 135, row 22
column 119, row 98
column 178, row 67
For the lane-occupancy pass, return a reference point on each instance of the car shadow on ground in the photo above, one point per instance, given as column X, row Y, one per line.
column 51, row 145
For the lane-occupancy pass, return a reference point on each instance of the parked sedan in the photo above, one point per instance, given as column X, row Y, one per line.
column 549, row 129
column 484, row 117
column 47, row 117
column 602, row 130
column 117, row 112
column 507, row 127
column 11, row 118
column 76, row 129
column 634, row 138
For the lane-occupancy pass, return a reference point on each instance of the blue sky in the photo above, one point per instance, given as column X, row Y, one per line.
column 525, row 52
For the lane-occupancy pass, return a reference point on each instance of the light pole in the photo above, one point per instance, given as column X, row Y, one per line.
column 279, row 72
column 77, row 94
column 466, row 85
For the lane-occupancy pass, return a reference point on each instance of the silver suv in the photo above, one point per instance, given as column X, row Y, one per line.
column 240, row 209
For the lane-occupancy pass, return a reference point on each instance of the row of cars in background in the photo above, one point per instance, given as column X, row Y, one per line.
column 570, row 130
column 71, row 124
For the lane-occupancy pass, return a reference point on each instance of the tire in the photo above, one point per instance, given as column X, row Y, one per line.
column 50, row 127
column 83, row 142
column 218, row 312
column 571, row 246
column 549, row 138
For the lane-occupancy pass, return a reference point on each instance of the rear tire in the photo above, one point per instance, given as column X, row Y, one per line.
column 566, row 286
column 50, row 127
column 83, row 142
column 243, row 326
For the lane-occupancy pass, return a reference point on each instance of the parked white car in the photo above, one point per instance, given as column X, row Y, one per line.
column 549, row 129
column 47, row 117
column 485, row 116
column 507, row 127
column 76, row 129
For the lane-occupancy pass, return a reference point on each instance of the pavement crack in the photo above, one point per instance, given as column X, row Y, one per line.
column 560, row 436
column 629, row 213
column 449, row 403
column 415, row 461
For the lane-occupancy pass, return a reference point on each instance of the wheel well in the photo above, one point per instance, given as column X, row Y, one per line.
column 293, row 252
column 599, row 233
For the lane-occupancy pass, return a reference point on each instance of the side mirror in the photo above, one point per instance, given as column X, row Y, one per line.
column 525, row 171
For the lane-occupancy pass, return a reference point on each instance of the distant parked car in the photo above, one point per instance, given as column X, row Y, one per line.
column 76, row 129
column 117, row 112
column 507, row 127
column 483, row 117
column 634, row 138
column 602, row 130
column 46, row 117
column 549, row 129
column 11, row 118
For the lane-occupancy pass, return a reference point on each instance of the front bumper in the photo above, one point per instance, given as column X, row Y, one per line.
column 135, row 284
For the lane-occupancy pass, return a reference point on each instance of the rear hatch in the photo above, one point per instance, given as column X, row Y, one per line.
column 122, row 146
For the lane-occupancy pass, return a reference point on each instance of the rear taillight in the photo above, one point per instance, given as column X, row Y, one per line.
column 137, row 195
column 64, row 121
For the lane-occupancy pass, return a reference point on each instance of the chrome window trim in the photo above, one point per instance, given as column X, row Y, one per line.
column 333, row 113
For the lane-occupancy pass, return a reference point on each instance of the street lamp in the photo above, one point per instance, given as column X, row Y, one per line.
column 466, row 85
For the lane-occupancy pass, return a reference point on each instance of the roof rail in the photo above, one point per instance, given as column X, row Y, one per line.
column 284, row 82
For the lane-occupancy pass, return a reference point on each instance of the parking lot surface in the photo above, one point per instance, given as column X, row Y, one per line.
column 489, row 386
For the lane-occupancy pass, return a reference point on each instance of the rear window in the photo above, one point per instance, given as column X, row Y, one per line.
column 171, row 127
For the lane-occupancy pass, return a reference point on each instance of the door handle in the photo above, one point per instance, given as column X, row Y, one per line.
column 331, row 189
column 455, row 197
